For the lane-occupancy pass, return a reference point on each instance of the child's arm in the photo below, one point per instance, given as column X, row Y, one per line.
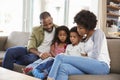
column 83, row 53
column 52, row 50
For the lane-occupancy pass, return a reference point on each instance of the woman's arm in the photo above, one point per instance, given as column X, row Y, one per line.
column 98, row 40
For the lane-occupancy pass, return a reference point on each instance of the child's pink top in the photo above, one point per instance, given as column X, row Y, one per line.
column 59, row 50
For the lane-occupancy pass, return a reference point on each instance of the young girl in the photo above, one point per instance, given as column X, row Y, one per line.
column 74, row 49
column 77, row 46
column 59, row 43
column 97, row 60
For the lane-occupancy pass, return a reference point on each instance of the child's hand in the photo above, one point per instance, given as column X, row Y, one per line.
column 44, row 55
column 84, row 54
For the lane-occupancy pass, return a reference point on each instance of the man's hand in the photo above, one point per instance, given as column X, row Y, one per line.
column 44, row 55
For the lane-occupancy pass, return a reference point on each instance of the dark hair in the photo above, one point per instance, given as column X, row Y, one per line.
column 44, row 15
column 86, row 18
column 74, row 29
column 58, row 29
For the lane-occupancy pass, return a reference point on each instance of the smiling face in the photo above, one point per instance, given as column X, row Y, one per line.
column 47, row 24
column 74, row 38
column 62, row 35
column 81, row 30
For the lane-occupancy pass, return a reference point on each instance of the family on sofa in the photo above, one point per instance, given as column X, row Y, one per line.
column 96, row 60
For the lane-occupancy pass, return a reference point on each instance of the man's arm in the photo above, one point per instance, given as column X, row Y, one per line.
column 34, row 51
column 41, row 55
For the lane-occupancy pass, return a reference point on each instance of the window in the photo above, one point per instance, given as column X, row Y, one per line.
column 22, row 15
column 11, row 16
column 76, row 5
column 63, row 11
column 56, row 8
column 36, row 12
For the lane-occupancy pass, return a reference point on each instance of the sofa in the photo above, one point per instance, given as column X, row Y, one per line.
column 21, row 38
column 15, row 38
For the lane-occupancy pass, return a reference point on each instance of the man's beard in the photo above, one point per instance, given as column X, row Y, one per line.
column 49, row 31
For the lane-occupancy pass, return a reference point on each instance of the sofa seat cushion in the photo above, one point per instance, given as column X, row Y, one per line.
column 2, row 54
column 95, row 77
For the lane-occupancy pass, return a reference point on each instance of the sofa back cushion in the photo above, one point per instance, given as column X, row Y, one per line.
column 17, row 39
column 114, row 50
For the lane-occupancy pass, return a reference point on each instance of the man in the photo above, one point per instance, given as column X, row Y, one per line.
column 38, row 44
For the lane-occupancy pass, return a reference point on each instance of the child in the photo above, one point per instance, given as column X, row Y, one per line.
column 77, row 46
column 59, row 43
column 74, row 49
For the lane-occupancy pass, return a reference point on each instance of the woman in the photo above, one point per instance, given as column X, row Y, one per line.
column 96, row 61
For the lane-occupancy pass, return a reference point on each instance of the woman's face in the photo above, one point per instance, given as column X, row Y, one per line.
column 74, row 38
column 81, row 30
column 62, row 35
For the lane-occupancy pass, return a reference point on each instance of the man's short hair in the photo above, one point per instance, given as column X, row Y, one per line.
column 44, row 15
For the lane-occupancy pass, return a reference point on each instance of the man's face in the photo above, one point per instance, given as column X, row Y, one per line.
column 47, row 24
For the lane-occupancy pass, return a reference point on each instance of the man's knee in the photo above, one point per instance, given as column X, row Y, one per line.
column 30, row 58
column 10, row 51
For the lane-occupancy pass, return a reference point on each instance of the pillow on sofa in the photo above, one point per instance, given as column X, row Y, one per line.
column 17, row 39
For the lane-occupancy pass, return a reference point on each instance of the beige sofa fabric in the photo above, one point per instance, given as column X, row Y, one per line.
column 17, row 39
column 114, row 50
column 95, row 77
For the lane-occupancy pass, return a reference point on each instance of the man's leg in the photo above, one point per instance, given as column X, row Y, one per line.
column 11, row 56
column 27, row 59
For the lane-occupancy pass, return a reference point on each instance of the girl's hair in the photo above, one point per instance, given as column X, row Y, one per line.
column 86, row 18
column 74, row 29
column 58, row 29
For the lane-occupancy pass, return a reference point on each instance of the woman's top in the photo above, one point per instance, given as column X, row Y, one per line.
column 75, row 50
column 96, row 47
column 58, row 49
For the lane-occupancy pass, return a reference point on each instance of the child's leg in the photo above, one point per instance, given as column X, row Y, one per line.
column 45, row 64
column 41, row 74
column 34, row 64
column 42, row 70
column 29, row 68
column 38, row 74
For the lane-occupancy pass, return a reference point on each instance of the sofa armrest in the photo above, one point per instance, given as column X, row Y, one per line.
column 3, row 40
